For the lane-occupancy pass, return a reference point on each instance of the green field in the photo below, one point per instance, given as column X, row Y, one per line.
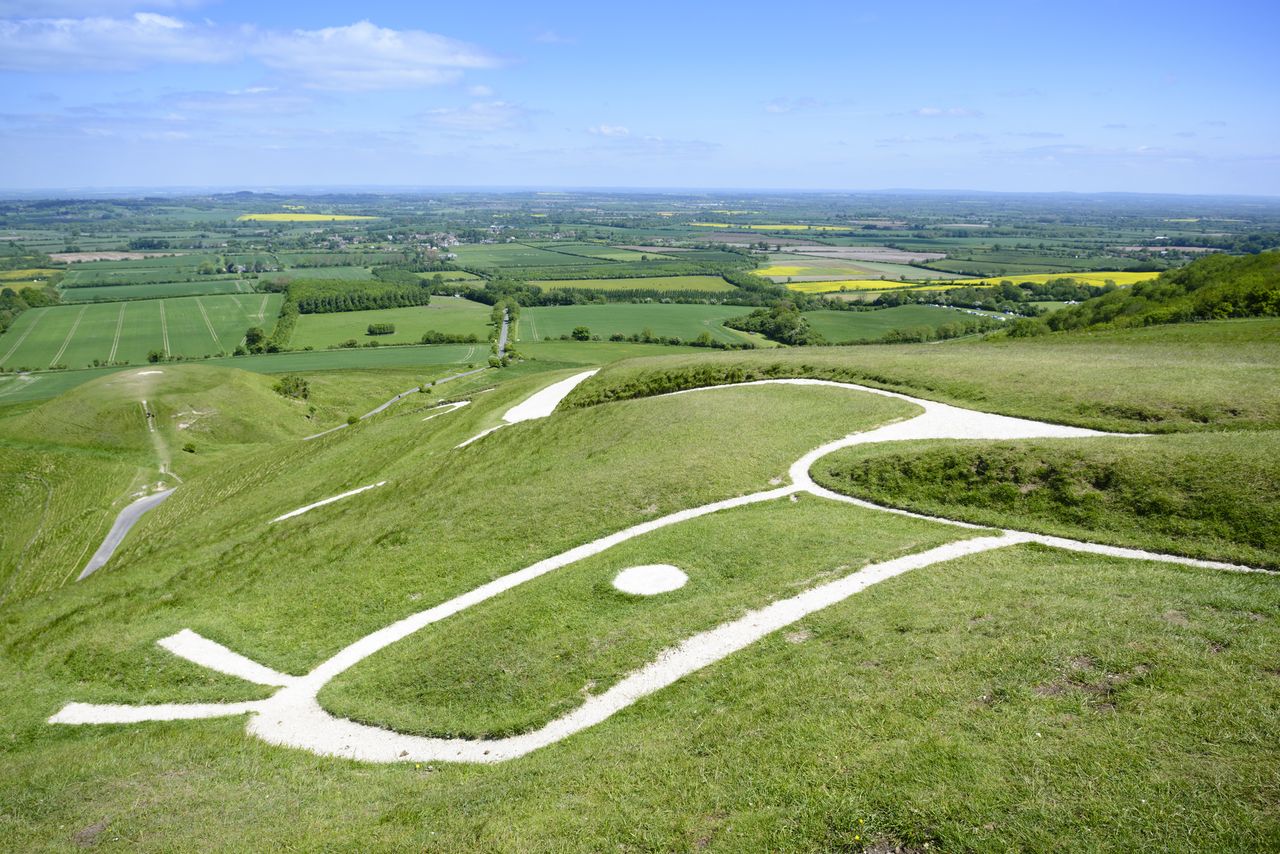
column 201, row 286
column 500, row 255
column 126, row 332
column 444, row 314
column 681, row 321
column 645, row 283
column 839, row 327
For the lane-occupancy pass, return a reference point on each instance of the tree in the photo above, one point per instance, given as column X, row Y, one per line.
column 581, row 333
column 255, row 339
column 154, row 356
column 292, row 385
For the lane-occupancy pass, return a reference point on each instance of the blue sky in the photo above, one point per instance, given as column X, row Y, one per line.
column 1144, row 97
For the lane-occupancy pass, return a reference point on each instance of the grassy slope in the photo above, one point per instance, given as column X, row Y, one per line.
column 1218, row 375
column 1209, row 495
column 1021, row 699
column 1025, row 700
column 71, row 464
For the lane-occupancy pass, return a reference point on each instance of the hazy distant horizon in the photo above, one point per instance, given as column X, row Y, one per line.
column 1010, row 97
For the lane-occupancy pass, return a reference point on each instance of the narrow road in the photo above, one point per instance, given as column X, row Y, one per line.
column 502, row 333
column 128, row 517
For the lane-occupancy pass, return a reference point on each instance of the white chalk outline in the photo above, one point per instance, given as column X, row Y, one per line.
column 292, row 717
column 540, row 404
column 322, row 502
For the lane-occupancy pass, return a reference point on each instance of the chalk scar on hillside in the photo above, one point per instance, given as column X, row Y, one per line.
column 293, row 717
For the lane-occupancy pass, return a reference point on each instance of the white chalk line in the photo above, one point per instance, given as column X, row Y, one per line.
column 325, row 501
column 294, row 718
column 36, row 314
column 67, row 340
column 115, row 344
column 191, row 646
column 540, row 404
column 447, row 407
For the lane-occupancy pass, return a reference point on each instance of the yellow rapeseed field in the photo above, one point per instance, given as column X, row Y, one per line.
column 299, row 217
column 34, row 273
column 1120, row 278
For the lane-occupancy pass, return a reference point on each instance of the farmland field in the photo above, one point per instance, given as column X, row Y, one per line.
column 772, row 226
column 301, row 217
column 682, row 321
column 75, row 335
column 645, row 283
column 445, row 314
column 203, row 285
column 500, row 255
column 838, row 327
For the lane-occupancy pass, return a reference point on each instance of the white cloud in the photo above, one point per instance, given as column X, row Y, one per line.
column 609, row 130
column 84, row 8
column 479, row 117
column 480, row 91
column 358, row 57
column 957, row 112
column 363, row 56
column 113, row 44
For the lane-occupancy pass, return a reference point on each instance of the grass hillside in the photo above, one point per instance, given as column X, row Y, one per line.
column 1021, row 699
column 1208, row 495
column 1218, row 375
column 1210, row 288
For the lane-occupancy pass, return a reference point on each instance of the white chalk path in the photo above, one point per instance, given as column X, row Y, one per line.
column 128, row 517
column 325, row 501
column 293, row 717
column 538, row 405
column 447, row 407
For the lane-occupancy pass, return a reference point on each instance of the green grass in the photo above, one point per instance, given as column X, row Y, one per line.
column 1200, row 376
column 682, row 321
column 208, row 285
column 1024, row 700
column 444, row 314
column 57, row 504
column 512, row 665
column 75, row 335
column 712, row 284
column 839, row 327
column 1207, row 495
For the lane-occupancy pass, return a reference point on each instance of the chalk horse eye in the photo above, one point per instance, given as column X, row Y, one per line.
column 650, row 579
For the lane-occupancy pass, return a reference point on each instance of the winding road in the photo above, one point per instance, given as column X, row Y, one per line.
column 292, row 717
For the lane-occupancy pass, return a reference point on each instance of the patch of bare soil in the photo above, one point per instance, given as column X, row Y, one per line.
column 88, row 837
column 1083, row 676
